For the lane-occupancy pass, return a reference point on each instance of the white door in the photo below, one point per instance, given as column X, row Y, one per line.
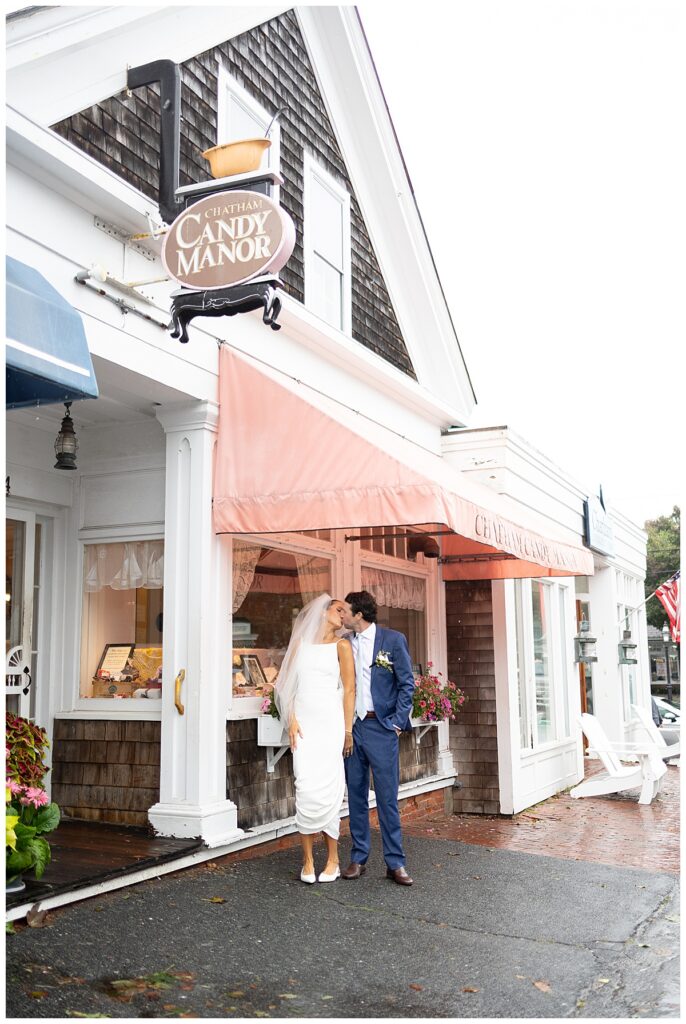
column 22, row 561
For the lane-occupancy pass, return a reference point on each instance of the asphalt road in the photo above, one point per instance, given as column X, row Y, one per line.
column 482, row 933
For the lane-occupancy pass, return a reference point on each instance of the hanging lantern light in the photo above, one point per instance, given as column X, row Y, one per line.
column 584, row 644
column 66, row 444
column 627, row 650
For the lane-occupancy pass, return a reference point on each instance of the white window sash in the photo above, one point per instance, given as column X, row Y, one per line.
column 313, row 171
column 228, row 87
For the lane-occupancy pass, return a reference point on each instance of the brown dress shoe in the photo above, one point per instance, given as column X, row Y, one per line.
column 353, row 870
column 399, row 876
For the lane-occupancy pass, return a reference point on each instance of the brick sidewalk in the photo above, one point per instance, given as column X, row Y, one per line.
column 614, row 830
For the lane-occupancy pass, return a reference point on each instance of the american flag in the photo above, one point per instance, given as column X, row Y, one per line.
column 668, row 596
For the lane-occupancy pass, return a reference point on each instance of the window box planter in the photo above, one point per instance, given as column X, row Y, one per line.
column 272, row 734
column 422, row 727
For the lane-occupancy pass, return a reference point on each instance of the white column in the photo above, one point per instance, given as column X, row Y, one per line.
column 607, row 681
column 197, row 583
column 438, row 652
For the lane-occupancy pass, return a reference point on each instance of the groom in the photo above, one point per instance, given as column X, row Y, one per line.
column 384, row 685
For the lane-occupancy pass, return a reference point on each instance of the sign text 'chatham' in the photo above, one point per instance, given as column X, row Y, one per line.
column 226, row 239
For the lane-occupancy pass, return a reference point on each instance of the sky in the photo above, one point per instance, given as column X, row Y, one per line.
column 545, row 144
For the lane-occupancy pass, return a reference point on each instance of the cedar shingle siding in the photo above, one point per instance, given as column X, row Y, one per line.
column 106, row 771
column 263, row 796
column 474, row 736
column 271, row 63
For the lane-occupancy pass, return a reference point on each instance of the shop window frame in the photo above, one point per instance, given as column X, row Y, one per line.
column 242, row 708
column 104, row 707
column 631, row 615
column 421, row 569
column 561, row 663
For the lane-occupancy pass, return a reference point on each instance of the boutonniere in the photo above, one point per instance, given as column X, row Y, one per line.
column 383, row 660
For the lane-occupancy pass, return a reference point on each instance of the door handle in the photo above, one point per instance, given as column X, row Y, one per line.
column 177, row 691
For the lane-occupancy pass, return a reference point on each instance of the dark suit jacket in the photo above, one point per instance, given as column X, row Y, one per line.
column 392, row 689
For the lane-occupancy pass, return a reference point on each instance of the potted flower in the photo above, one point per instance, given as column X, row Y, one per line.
column 435, row 699
column 271, row 731
column 29, row 814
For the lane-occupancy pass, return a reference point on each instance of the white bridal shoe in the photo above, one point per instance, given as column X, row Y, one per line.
column 330, row 878
column 310, row 879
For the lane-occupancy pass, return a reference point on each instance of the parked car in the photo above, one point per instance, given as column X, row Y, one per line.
column 670, row 719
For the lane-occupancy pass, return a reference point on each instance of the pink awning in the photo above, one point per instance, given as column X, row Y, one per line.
column 284, row 465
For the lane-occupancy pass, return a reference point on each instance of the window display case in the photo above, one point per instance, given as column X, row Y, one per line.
column 270, row 586
column 129, row 670
column 123, row 598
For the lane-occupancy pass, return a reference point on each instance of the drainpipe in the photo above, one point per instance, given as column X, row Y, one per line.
column 167, row 73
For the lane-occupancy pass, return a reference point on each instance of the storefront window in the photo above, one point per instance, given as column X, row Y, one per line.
column 543, row 674
column 401, row 601
column 121, row 646
column 625, row 617
column 270, row 586
column 15, row 533
column 540, row 603
column 562, row 596
column 525, row 737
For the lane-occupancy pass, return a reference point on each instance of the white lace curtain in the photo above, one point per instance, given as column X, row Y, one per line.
column 245, row 558
column 125, row 566
column 394, row 589
column 313, row 576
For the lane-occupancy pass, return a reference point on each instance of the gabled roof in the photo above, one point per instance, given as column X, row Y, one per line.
column 61, row 60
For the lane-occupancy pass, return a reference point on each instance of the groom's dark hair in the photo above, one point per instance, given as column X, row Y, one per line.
column 362, row 601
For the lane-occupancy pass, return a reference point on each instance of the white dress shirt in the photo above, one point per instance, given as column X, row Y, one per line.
column 365, row 641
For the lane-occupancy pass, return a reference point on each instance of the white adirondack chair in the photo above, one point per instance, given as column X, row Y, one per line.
column 618, row 777
column 667, row 750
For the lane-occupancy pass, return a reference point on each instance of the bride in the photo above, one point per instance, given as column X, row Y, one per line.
column 315, row 695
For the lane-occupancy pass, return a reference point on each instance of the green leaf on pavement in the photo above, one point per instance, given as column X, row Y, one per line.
column 76, row 1013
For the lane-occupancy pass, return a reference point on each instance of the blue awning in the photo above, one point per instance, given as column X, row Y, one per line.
column 47, row 352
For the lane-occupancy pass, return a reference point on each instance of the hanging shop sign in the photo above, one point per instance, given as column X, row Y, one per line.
column 598, row 529
column 226, row 239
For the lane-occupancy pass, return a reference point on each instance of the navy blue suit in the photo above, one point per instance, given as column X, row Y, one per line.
column 376, row 744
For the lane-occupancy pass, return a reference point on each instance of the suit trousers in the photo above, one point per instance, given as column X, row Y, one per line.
column 374, row 747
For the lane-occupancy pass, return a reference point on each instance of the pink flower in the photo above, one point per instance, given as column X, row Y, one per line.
column 422, row 703
column 14, row 787
column 34, row 795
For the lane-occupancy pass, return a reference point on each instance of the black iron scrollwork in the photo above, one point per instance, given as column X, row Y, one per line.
column 241, row 298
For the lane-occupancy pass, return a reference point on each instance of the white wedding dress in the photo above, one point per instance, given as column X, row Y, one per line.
column 318, row 756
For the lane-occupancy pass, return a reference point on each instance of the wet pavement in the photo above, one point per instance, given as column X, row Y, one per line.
column 613, row 829
column 483, row 932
